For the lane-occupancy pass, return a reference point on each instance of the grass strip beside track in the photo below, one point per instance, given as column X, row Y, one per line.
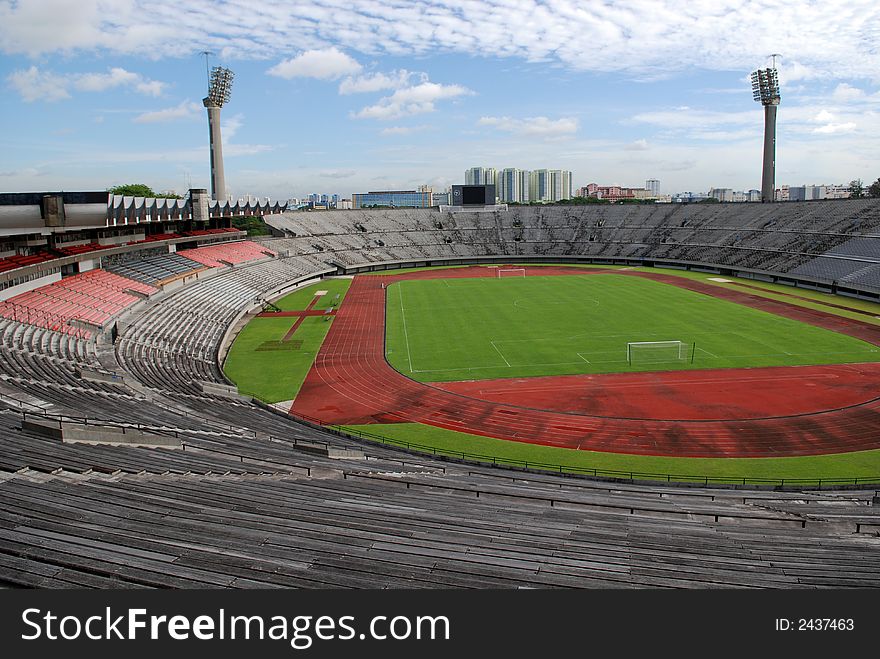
column 277, row 375
column 842, row 466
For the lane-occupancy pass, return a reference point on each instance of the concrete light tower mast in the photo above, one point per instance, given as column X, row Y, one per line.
column 765, row 89
column 219, row 90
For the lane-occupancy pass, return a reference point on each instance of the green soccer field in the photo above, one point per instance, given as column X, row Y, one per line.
column 464, row 329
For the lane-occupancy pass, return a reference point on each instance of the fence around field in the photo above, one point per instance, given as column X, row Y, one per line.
column 594, row 472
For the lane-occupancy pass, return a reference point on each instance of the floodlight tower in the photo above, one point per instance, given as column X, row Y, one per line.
column 219, row 90
column 765, row 89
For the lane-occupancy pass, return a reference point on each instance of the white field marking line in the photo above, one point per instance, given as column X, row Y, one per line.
column 794, row 354
column 483, row 368
column 603, row 336
column 711, row 354
column 556, row 303
column 405, row 334
column 599, row 361
column 620, row 361
column 499, row 352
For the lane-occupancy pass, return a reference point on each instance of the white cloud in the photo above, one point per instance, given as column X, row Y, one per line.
column 186, row 110
column 408, row 101
column 44, row 26
column 533, row 126
column 230, row 127
column 834, row 38
column 34, row 84
column 836, row 129
column 845, row 93
column 21, row 173
column 326, row 64
column 375, row 82
column 150, row 87
column 98, row 82
column 692, row 118
column 344, row 173
column 637, row 145
column 403, row 130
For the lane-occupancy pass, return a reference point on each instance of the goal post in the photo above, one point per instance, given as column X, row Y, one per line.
column 510, row 272
column 659, row 352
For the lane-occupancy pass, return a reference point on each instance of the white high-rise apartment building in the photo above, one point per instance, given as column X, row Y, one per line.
column 652, row 185
column 513, row 185
column 539, row 185
column 521, row 185
column 560, row 182
column 479, row 176
column 548, row 185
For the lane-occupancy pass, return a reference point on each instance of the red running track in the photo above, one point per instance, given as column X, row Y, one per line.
column 351, row 383
column 686, row 395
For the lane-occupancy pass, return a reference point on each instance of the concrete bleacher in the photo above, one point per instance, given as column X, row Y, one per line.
column 408, row 530
column 224, row 254
column 93, row 297
column 776, row 238
column 174, row 345
column 156, row 269
column 249, row 500
column 855, row 261
column 21, row 261
column 73, row 250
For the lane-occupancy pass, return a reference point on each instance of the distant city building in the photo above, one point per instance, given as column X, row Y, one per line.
column 480, row 176
column 343, row 204
column 590, row 190
column 721, row 194
column 837, row 191
column 613, row 192
column 539, row 185
column 549, row 185
column 560, row 182
column 513, row 185
column 812, row 192
column 316, row 201
column 392, row 199
column 652, row 185
column 437, row 198
column 688, row 197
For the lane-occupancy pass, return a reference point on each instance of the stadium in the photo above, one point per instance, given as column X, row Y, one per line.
column 615, row 396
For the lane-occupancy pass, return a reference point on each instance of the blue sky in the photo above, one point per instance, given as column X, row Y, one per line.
column 343, row 96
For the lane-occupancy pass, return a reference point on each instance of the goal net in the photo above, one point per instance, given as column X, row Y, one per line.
column 510, row 272
column 657, row 352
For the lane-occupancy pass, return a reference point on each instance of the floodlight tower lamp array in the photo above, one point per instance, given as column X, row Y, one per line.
column 765, row 90
column 219, row 92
